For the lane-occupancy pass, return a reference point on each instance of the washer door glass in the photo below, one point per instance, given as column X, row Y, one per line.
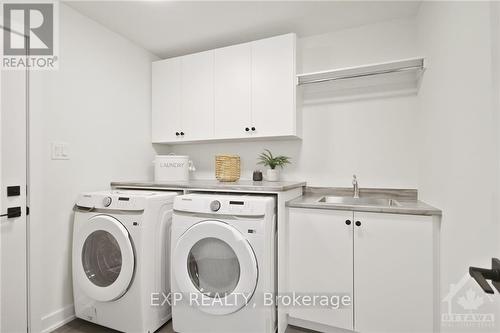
column 213, row 267
column 101, row 258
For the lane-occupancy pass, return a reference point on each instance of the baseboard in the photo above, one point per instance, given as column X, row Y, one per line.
column 58, row 318
column 310, row 325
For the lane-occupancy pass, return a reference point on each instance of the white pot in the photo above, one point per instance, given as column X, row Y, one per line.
column 273, row 175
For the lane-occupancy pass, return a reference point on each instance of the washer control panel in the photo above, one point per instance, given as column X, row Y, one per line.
column 215, row 205
column 107, row 201
column 225, row 204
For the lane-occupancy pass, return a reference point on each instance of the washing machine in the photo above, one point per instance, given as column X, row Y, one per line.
column 121, row 257
column 223, row 263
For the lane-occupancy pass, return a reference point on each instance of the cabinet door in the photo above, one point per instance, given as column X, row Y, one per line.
column 393, row 273
column 197, row 96
column 232, row 91
column 273, row 86
column 320, row 262
column 166, row 100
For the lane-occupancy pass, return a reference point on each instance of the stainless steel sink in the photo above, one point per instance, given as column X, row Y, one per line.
column 360, row 201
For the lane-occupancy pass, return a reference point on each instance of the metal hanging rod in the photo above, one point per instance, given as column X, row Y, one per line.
column 353, row 76
column 395, row 66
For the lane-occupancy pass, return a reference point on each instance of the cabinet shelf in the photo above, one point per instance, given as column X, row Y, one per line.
column 398, row 75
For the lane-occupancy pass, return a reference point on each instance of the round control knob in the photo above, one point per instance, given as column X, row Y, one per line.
column 348, row 222
column 106, row 201
column 215, row 205
column 358, row 223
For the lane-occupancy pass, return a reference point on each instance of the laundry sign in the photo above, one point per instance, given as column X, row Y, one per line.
column 30, row 34
column 172, row 167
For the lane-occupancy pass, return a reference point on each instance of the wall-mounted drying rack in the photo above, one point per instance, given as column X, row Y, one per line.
column 415, row 65
column 398, row 77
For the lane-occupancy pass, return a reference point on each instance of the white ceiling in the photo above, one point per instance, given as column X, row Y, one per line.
column 168, row 28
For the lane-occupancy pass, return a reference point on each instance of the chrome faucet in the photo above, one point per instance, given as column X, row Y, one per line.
column 355, row 186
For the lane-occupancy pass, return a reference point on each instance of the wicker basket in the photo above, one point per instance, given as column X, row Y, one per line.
column 227, row 168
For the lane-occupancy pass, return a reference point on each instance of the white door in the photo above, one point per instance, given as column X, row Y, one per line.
column 13, row 237
column 103, row 258
column 213, row 260
column 233, row 91
column 166, row 100
column 321, row 257
column 393, row 273
column 197, row 96
column 273, row 86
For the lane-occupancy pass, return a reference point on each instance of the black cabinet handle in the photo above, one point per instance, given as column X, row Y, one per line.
column 482, row 274
column 247, row 129
column 177, row 133
column 253, row 128
column 358, row 223
column 348, row 222
column 182, row 133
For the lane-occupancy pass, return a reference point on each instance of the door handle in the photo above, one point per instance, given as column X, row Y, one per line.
column 13, row 191
column 481, row 275
column 12, row 212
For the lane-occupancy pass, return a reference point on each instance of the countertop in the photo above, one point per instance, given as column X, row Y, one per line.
column 410, row 207
column 212, row 184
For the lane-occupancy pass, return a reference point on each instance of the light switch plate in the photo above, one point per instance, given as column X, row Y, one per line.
column 60, row 151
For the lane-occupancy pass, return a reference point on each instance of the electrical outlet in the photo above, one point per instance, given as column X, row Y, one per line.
column 60, row 151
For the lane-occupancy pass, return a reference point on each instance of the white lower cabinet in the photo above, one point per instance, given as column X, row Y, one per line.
column 387, row 262
column 321, row 257
column 393, row 273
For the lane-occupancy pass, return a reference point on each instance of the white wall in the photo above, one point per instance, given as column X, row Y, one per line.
column 98, row 102
column 374, row 138
column 458, row 134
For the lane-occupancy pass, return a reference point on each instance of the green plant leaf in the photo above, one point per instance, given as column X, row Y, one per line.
column 267, row 159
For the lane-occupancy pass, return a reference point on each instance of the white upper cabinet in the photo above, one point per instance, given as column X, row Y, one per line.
column 236, row 92
column 166, row 100
column 274, row 86
column 233, row 91
column 197, row 96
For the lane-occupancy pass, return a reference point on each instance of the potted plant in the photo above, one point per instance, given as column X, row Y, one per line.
column 267, row 159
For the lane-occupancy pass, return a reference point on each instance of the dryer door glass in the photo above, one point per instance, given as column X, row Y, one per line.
column 101, row 258
column 213, row 267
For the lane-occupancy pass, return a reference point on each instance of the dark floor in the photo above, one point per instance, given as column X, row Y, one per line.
column 81, row 326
